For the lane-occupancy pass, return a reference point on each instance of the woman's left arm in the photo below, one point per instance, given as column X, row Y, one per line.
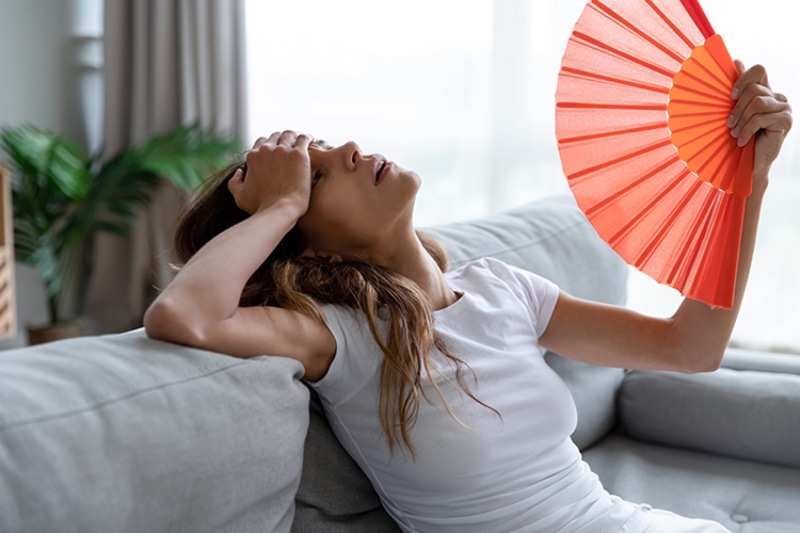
column 695, row 337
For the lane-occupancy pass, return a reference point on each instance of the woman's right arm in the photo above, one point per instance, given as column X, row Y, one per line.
column 200, row 307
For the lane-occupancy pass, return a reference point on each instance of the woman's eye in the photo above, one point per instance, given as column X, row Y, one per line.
column 316, row 177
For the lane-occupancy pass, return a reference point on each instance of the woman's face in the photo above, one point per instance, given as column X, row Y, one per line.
column 360, row 204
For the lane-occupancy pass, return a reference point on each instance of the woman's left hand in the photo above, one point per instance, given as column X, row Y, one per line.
column 695, row 338
column 759, row 112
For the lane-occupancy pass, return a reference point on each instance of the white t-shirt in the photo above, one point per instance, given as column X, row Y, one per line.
column 516, row 472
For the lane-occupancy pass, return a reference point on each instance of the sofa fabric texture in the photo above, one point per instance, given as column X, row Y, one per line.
column 682, row 411
column 123, row 433
column 744, row 496
column 126, row 434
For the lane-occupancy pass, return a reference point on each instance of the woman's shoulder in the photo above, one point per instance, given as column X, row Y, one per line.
column 491, row 273
column 342, row 316
column 349, row 325
column 483, row 275
column 489, row 267
column 478, row 265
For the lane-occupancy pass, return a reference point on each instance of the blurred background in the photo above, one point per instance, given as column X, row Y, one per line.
column 462, row 91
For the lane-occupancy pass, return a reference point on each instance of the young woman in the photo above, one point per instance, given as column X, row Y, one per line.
column 433, row 381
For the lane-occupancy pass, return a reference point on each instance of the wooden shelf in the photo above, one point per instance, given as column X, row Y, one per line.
column 8, row 307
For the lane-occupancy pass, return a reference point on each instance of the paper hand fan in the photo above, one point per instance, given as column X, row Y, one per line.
column 641, row 109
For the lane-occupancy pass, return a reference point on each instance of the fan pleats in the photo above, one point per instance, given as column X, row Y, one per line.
column 641, row 109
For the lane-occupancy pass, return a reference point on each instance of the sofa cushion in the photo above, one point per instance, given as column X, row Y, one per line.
column 550, row 237
column 744, row 496
column 780, row 363
column 334, row 495
column 745, row 414
column 123, row 433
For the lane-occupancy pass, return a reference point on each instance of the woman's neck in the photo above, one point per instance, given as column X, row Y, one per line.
column 404, row 253
column 417, row 264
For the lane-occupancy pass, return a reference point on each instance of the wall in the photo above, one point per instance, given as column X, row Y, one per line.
column 38, row 86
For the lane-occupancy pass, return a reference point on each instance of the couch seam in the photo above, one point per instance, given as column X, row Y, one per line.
column 704, row 387
column 104, row 403
column 527, row 243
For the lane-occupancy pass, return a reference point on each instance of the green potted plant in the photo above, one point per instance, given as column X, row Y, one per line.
column 62, row 195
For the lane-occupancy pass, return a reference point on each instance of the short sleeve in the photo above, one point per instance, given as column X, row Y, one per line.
column 538, row 294
column 357, row 356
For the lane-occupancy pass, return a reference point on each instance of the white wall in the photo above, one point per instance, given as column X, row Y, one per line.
column 37, row 86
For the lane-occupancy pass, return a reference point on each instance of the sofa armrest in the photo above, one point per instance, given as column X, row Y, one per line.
column 124, row 433
column 781, row 363
column 738, row 413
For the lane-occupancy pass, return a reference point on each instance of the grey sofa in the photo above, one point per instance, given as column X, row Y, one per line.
column 120, row 433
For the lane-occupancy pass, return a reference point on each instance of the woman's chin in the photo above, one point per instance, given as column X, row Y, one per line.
column 415, row 178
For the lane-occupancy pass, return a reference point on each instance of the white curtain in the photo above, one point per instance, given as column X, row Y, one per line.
column 462, row 91
column 168, row 63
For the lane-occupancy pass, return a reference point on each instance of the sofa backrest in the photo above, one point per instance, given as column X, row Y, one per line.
column 124, row 433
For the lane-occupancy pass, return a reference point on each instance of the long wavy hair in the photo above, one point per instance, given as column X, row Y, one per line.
column 301, row 282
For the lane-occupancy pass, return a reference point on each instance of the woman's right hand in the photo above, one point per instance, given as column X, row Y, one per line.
column 278, row 169
column 201, row 306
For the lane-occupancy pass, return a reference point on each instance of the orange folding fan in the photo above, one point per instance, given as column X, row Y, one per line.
column 641, row 109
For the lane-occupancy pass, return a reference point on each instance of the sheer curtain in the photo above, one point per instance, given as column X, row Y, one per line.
column 167, row 63
column 462, row 92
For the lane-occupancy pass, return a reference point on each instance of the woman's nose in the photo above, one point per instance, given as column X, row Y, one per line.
column 351, row 152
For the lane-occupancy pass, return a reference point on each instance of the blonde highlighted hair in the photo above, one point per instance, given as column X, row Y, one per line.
column 301, row 282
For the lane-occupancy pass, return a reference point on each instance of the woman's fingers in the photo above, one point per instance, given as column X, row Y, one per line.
column 752, row 82
column 768, row 108
column 287, row 138
column 267, row 145
column 755, row 74
column 303, row 140
column 757, row 105
column 261, row 141
column 277, row 166
column 763, row 111
column 235, row 186
column 759, row 113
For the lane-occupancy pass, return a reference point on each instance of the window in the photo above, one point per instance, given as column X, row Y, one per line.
column 462, row 92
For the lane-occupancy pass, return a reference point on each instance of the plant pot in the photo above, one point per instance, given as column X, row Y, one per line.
column 58, row 331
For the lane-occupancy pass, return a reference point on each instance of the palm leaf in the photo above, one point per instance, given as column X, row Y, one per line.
column 45, row 260
column 26, row 240
column 49, row 160
column 187, row 156
column 61, row 196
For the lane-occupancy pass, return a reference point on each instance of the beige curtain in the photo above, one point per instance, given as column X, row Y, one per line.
column 167, row 63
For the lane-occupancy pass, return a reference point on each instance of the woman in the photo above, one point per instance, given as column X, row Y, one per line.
column 434, row 383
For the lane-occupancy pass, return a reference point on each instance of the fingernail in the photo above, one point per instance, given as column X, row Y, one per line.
column 735, row 93
column 736, row 131
column 741, row 141
column 731, row 121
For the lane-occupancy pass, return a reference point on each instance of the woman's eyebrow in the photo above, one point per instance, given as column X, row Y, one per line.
column 321, row 143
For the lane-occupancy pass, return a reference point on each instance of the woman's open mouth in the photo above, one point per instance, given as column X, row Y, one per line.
column 381, row 171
